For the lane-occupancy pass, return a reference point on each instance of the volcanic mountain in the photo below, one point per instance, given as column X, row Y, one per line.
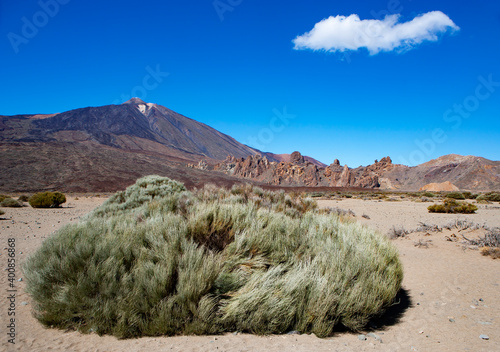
column 106, row 148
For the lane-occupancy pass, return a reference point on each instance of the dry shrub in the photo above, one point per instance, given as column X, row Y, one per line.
column 23, row 198
column 159, row 260
column 493, row 252
column 490, row 197
column 397, row 232
column 47, row 200
column 455, row 195
column 11, row 203
column 452, row 206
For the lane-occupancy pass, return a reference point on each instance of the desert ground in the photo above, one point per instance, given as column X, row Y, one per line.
column 450, row 296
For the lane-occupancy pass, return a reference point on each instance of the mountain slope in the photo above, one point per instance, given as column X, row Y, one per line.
column 141, row 121
column 466, row 172
column 107, row 148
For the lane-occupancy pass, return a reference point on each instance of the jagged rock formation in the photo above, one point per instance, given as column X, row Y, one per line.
column 452, row 171
column 301, row 172
column 202, row 165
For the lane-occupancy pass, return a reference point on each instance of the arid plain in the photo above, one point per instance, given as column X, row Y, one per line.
column 450, row 291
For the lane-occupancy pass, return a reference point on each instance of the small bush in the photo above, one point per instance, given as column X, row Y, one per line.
column 490, row 197
column 428, row 194
column 493, row 252
column 397, row 232
column 23, row 198
column 159, row 260
column 452, row 206
column 1, row 212
column 11, row 203
column 3, row 197
column 455, row 195
column 47, row 200
column 469, row 195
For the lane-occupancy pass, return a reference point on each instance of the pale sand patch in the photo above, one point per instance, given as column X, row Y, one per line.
column 442, row 282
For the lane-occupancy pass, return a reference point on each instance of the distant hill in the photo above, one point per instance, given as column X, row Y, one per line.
column 466, row 172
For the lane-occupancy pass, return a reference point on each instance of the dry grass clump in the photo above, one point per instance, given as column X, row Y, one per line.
column 2, row 212
column 397, row 232
column 452, row 206
column 489, row 244
column 23, row 198
column 47, row 200
column 159, row 260
column 493, row 252
column 10, row 203
column 455, row 195
column 490, row 197
column 428, row 194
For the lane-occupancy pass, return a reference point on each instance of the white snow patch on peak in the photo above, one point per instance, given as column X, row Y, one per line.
column 142, row 108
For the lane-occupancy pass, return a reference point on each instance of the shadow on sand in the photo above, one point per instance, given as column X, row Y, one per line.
column 394, row 313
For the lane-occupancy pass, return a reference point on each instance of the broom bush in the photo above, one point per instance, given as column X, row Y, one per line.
column 156, row 259
column 47, row 200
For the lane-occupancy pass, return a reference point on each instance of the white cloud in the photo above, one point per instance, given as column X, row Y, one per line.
column 341, row 33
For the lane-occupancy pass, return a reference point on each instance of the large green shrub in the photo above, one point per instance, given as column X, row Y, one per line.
column 452, row 206
column 159, row 260
column 47, row 200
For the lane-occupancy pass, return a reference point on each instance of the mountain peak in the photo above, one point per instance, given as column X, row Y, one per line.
column 134, row 101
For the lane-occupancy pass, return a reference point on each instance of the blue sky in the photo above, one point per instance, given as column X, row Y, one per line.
column 234, row 65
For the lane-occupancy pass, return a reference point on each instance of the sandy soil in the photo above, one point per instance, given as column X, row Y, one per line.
column 451, row 294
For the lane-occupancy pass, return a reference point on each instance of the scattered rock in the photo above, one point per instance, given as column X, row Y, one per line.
column 485, row 323
column 24, row 303
column 375, row 336
column 484, row 337
column 294, row 332
column 362, row 337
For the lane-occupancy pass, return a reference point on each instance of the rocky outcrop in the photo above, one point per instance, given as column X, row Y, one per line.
column 300, row 172
column 202, row 165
